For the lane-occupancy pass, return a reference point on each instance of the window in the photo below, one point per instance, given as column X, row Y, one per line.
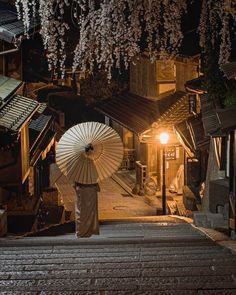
column 166, row 76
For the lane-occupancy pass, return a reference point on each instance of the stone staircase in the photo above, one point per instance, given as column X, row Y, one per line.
column 161, row 255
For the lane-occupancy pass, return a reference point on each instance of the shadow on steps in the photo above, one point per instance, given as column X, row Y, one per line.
column 55, row 230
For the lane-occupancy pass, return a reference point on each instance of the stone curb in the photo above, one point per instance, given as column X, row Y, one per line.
column 216, row 236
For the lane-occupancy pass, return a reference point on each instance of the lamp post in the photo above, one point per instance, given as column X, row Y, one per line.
column 164, row 137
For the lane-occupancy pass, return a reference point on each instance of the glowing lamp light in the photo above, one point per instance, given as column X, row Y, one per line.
column 164, row 137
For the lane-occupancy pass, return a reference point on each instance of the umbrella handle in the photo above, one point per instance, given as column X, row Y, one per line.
column 88, row 147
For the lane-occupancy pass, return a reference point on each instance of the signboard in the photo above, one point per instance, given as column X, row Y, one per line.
column 170, row 153
column 192, row 103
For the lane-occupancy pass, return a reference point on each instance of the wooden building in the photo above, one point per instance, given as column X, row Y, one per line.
column 156, row 101
column 228, row 117
column 219, row 152
column 222, row 190
column 27, row 149
column 232, row 178
column 193, row 138
column 12, row 40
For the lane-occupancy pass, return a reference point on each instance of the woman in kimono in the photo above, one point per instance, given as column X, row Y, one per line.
column 86, row 209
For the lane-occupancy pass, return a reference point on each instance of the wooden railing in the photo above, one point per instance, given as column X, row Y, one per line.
column 141, row 174
column 128, row 162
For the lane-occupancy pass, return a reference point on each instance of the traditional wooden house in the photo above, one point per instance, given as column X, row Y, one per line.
column 212, row 170
column 27, row 148
column 11, row 36
column 218, row 200
column 196, row 144
column 222, row 189
column 232, row 177
column 156, row 101
column 229, row 128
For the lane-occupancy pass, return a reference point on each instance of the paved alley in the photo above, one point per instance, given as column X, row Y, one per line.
column 161, row 255
column 113, row 201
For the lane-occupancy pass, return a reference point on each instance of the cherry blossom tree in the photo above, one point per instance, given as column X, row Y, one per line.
column 217, row 18
column 217, row 30
column 112, row 32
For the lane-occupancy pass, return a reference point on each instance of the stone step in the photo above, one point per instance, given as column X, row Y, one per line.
column 121, row 284
column 210, row 264
column 118, row 273
column 105, row 253
column 137, row 292
column 110, row 251
column 116, row 259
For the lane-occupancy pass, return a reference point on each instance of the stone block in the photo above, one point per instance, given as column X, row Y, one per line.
column 217, row 220
column 209, row 220
column 218, row 194
column 51, row 197
column 189, row 199
column 199, row 218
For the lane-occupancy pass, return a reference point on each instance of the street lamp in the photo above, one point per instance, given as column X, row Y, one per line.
column 164, row 137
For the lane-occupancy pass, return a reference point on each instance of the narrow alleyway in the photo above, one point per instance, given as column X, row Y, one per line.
column 113, row 201
column 156, row 255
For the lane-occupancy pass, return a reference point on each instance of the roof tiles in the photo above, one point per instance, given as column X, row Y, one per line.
column 138, row 113
column 17, row 111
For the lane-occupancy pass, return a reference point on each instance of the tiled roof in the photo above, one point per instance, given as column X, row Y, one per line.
column 11, row 27
column 37, row 127
column 192, row 133
column 227, row 118
column 196, row 85
column 216, row 121
column 183, row 131
column 17, row 111
column 39, row 123
column 195, row 125
column 7, row 16
column 229, row 70
column 210, row 119
column 7, row 87
column 138, row 113
column 175, row 114
column 42, row 108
